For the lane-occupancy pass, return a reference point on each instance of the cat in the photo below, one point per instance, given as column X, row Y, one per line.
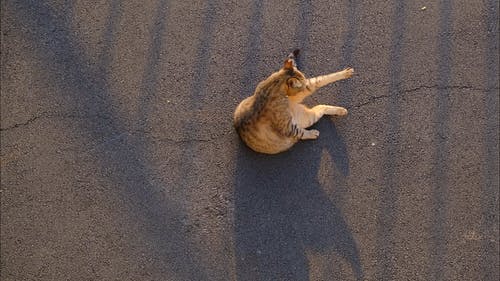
column 273, row 119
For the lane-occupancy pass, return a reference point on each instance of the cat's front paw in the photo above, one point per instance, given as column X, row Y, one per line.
column 348, row 72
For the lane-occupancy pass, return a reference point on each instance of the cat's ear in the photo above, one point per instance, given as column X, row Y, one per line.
column 288, row 64
column 294, row 83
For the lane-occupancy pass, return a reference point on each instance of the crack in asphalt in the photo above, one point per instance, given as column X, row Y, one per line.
column 49, row 115
column 437, row 87
column 17, row 125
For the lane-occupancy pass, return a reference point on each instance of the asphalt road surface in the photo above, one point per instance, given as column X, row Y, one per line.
column 119, row 160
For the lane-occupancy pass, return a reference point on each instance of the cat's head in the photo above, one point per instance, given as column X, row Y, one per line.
column 295, row 80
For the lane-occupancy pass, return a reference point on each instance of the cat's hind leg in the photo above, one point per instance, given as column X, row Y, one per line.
column 305, row 117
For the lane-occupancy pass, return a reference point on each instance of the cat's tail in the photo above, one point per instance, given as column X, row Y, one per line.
column 293, row 56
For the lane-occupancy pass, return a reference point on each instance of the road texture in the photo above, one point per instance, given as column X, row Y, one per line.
column 119, row 160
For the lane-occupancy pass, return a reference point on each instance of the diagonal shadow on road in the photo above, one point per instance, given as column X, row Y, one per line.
column 440, row 192
column 491, row 187
column 390, row 191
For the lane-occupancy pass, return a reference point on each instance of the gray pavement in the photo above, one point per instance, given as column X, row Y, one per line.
column 119, row 160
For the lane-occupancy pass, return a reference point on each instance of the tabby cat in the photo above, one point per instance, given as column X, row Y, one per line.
column 273, row 118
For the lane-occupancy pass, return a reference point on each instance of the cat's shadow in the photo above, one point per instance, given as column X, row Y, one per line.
column 283, row 215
